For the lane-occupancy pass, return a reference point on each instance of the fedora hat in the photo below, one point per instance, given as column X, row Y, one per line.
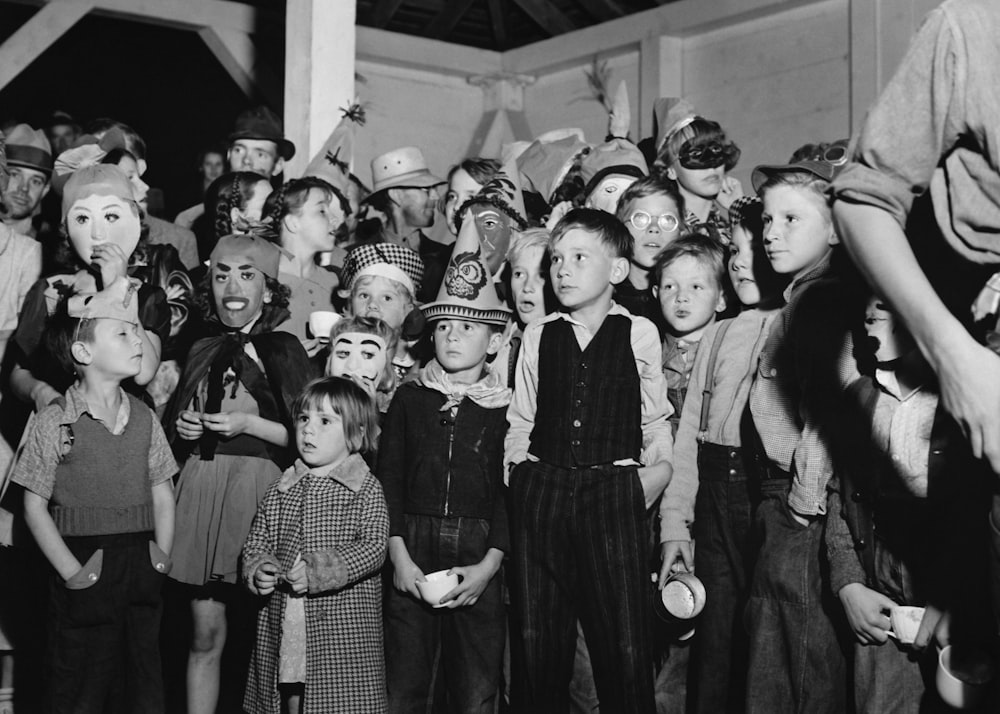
column 28, row 148
column 262, row 123
column 402, row 168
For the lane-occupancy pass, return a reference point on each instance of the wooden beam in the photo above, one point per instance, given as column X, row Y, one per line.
column 394, row 48
column 547, row 15
column 446, row 20
column 499, row 26
column 602, row 10
column 193, row 14
column 38, row 34
column 383, row 12
column 660, row 75
column 237, row 54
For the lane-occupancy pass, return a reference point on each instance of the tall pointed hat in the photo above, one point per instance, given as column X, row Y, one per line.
column 332, row 162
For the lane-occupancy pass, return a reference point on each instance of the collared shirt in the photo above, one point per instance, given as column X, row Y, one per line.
column 802, row 358
column 716, row 225
column 735, row 367
column 20, row 266
column 657, row 443
column 50, row 439
column 935, row 127
column 901, row 429
column 678, row 360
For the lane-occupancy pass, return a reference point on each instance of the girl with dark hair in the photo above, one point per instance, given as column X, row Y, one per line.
column 234, row 203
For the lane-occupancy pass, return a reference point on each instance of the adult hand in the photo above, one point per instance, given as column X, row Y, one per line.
column 671, row 552
column 226, row 424
column 111, row 260
column 265, row 578
column 866, row 613
column 934, row 627
column 189, row 425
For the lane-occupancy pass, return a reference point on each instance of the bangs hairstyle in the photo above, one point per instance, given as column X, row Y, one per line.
column 351, row 402
column 703, row 248
column 649, row 186
column 699, row 131
column 370, row 326
column 611, row 232
column 805, row 180
column 363, row 281
column 61, row 331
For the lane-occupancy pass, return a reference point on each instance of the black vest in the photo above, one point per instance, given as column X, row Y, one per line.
column 589, row 406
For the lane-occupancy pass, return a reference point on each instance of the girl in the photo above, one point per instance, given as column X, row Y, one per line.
column 233, row 409
column 360, row 348
column 234, row 203
column 321, row 531
column 465, row 180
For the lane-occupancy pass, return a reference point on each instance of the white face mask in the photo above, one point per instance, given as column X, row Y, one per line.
column 359, row 355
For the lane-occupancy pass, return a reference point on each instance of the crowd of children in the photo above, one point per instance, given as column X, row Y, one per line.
column 458, row 466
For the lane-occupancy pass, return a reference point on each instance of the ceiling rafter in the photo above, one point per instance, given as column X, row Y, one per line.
column 499, row 24
column 447, row 18
column 602, row 10
column 547, row 15
column 383, row 12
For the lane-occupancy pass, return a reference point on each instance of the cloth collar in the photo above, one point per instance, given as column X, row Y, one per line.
column 818, row 271
column 77, row 406
column 678, row 344
column 350, row 472
column 489, row 392
column 616, row 309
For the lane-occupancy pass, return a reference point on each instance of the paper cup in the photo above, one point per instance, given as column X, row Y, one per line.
column 436, row 586
column 905, row 623
column 964, row 676
column 321, row 322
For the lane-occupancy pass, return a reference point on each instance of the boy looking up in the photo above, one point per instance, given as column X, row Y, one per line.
column 582, row 423
column 99, row 501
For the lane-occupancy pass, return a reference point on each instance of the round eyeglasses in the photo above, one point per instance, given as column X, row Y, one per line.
column 640, row 220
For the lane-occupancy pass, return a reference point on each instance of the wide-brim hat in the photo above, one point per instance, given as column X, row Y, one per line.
column 385, row 260
column 617, row 156
column 117, row 301
column 468, row 291
column 402, row 168
column 820, row 169
column 29, row 148
column 263, row 124
column 248, row 249
column 672, row 114
column 544, row 164
column 332, row 162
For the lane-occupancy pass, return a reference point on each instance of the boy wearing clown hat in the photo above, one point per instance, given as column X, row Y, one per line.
column 441, row 469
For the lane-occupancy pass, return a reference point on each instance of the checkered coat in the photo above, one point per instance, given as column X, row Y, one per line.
column 345, row 528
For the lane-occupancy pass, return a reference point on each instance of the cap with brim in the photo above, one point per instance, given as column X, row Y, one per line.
column 819, row 169
column 261, row 124
column 617, row 156
column 385, row 260
column 118, row 301
column 468, row 291
column 29, row 148
column 402, row 168
column 248, row 249
column 98, row 180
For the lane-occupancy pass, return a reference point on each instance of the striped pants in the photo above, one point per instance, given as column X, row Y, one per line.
column 580, row 551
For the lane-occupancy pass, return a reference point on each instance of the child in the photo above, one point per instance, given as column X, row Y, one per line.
column 233, row 408
column 687, row 279
column 581, row 423
column 911, row 504
column 320, row 531
column 234, row 203
column 709, row 460
column 442, row 469
column 651, row 209
column 305, row 213
column 795, row 661
column 465, row 180
column 359, row 349
column 529, row 295
column 97, row 473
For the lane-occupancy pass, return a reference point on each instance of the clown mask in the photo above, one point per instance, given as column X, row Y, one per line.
column 360, row 356
column 606, row 194
column 98, row 219
column 494, row 227
column 238, row 291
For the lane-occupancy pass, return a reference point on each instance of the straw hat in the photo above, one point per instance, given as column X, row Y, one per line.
column 402, row 168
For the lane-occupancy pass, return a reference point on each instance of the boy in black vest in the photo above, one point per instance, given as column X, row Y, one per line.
column 97, row 473
column 589, row 408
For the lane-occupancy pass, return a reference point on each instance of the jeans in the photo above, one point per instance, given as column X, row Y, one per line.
column 580, row 549
column 460, row 650
column 103, row 647
column 796, row 661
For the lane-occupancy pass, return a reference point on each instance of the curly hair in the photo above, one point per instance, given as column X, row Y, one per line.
column 229, row 191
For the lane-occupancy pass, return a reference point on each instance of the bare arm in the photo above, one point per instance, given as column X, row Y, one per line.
column 230, row 424
column 163, row 515
column 43, row 528
column 27, row 388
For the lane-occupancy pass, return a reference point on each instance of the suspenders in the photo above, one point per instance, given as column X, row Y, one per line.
column 706, row 392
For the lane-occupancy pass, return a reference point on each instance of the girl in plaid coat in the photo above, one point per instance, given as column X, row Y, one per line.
column 314, row 551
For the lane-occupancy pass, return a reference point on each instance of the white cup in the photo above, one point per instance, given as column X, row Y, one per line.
column 683, row 596
column 906, row 622
column 321, row 322
column 436, row 585
column 964, row 676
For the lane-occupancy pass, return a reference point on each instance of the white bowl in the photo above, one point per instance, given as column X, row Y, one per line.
column 436, row 585
column 963, row 680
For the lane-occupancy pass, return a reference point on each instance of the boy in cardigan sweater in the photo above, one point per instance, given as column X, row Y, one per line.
column 581, row 426
column 97, row 473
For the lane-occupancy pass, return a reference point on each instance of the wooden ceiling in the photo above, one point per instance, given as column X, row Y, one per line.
column 493, row 24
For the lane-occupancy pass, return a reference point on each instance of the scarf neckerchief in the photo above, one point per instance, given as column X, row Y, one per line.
column 488, row 392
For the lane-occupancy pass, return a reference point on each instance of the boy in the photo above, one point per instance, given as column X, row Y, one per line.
column 529, row 295
column 687, row 279
column 441, row 465
column 581, row 424
column 99, row 501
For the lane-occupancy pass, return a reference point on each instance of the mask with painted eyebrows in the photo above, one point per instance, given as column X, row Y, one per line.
column 359, row 355
column 494, row 228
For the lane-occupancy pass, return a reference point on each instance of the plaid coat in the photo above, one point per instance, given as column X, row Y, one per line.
column 344, row 531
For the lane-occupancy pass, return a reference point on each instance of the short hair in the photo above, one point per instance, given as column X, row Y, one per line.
column 61, row 331
column 363, row 281
column 609, row 230
column 797, row 178
column 703, row 248
column 371, row 326
column 479, row 169
column 133, row 142
column 700, row 130
column 292, row 196
column 520, row 241
column 351, row 402
column 649, row 186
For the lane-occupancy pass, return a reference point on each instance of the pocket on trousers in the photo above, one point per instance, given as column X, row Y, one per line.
column 149, row 574
column 88, row 575
column 85, row 596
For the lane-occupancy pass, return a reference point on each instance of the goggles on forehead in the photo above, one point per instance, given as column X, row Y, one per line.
column 709, row 155
column 668, row 222
column 835, row 154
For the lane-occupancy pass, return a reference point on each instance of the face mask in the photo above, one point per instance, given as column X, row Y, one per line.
column 709, row 155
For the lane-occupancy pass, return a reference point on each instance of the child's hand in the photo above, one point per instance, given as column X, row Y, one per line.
column 111, row 260
column 475, row 578
column 731, row 190
column 226, row 424
column 670, row 552
column 934, row 627
column 654, row 479
column 265, row 578
column 296, row 577
column 866, row 613
column 189, row 425
column 405, row 577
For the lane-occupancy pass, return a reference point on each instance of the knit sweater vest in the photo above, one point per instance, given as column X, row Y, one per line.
column 102, row 485
column 589, row 405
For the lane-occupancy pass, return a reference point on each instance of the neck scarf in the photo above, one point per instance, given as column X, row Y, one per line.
column 488, row 392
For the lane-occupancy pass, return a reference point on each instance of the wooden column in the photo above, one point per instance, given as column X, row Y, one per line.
column 37, row 35
column 319, row 73
column 660, row 75
column 503, row 113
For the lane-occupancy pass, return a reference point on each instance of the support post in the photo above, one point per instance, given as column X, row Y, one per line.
column 503, row 113
column 660, row 75
column 37, row 35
